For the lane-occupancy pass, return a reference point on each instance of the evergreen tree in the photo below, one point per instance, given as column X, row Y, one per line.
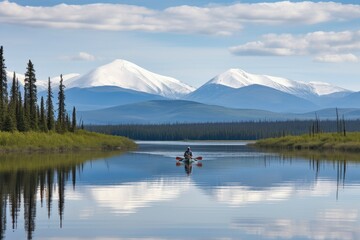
column 3, row 87
column 9, row 124
column 12, row 109
column 61, row 120
column 50, row 108
column 30, row 96
column 42, row 123
column 22, row 124
column 68, row 122
column 73, row 123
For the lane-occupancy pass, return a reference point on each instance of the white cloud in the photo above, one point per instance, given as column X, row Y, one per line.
column 326, row 46
column 336, row 58
column 216, row 19
column 81, row 56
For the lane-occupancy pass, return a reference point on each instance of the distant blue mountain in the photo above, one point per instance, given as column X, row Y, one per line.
column 251, row 97
column 180, row 111
column 172, row 111
column 103, row 97
column 350, row 101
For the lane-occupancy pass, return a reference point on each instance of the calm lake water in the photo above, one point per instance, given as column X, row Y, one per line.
column 237, row 193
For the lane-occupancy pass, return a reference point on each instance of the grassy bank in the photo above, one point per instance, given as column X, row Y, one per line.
column 323, row 141
column 81, row 140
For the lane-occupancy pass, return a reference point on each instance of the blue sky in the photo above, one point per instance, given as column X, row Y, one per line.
column 190, row 40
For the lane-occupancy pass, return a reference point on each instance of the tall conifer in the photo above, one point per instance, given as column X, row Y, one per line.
column 61, row 120
column 3, row 87
column 73, row 123
column 22, row 124
column 50, row 108
column 42, row 120
column 12, row 107
column 30, row 96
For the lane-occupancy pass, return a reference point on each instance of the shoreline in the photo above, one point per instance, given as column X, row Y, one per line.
column 318, row 142
column 52, row 142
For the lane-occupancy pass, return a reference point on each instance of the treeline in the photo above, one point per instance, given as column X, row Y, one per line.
column 252, row 130
column 23, row 114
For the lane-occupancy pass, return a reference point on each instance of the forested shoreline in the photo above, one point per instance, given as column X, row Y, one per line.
column 252, row 130
column 26, row 126
column 23, row 113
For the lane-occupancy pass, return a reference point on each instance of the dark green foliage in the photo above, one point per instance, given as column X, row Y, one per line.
column 42, row 123
column 24, row 114
column 73, row 122
column 30, row 96
column 220, row 131
column 9, row 124
column 61, row 120
column 67, row 122
column 14, row 98
column 3, row 86
column 50, row 108
column 22, row 125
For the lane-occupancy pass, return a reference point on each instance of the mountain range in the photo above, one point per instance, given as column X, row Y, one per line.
column 123, row 92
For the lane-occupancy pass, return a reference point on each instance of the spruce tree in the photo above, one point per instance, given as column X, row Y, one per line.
column 3, row 87
column 73, row 123
column 50, row 108
column 68, row 122
column 30, row 96
column 61, row 120
column 42, row 121
column 13, row 104
column 22, row 124
column 9, row 124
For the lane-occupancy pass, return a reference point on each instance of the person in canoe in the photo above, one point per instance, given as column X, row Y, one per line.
column 188, row 154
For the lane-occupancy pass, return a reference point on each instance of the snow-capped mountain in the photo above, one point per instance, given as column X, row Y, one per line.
column 236, row 88
column 237, row 78
column 42, row 84
column 127, row 75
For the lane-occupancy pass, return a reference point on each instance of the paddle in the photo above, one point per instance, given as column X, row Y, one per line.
column 180, row 158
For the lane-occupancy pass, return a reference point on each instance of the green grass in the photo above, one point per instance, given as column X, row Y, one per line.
column 323, row 141
column 80, row 140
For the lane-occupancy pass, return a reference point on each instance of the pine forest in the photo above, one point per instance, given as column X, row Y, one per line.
column 24, row 113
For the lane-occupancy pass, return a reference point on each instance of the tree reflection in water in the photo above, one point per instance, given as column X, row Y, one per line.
column 317, row 159
column 22, row 178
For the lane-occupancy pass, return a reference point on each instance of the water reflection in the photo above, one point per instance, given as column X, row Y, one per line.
column 319, row 160
column 24, row 177
column 327, row 224
column 188, row 166
column 239, row 193
column 128, row 198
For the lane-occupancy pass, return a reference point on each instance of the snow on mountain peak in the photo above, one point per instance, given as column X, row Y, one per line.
column 42, row 84
column 322, row 88
column 237, row 78
column 125, row 74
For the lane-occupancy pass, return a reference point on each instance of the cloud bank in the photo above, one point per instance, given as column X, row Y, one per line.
column 214, row 20
column 325, row 46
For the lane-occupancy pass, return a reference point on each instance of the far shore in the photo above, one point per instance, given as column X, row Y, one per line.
column 322, row 141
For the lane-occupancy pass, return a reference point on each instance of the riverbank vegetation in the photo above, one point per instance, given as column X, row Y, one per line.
column 320, row 141
column 24, row 114
column 52, row 141
column 252, row 130
column 26, row 125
